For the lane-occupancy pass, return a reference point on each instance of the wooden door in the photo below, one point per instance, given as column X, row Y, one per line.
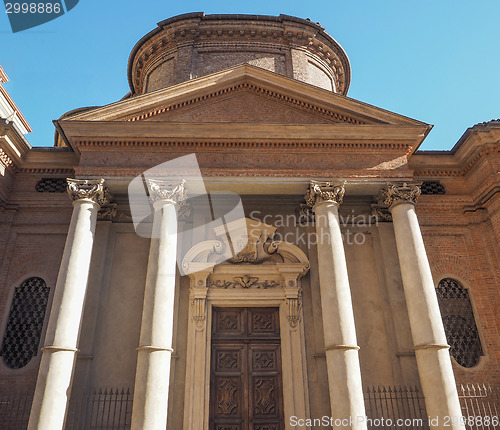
column 245, row 381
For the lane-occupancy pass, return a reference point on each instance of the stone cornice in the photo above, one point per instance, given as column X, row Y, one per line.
column 13, row 145
column 46, row 171
column 18, row 156
column 383, row 137
column 458, row 162
column 312, row 145
column 286, row 89
column 329, row 113
column 227, row 174
column 18, row 116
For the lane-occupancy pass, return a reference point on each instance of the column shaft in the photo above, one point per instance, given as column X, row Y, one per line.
column 155, row 350
column 342, row 360
column 58, row 355
column 431, row 349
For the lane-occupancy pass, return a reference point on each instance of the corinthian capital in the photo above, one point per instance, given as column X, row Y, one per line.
column 88, row 189
column 396, row 194
column 162, row 190
column 318, row 192
column 324, row 192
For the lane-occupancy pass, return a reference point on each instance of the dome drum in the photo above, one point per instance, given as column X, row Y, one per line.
column 194, row 45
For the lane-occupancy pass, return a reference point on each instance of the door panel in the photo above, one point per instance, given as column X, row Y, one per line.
column 265, row 385
column 263, row 323
column 228, row 387
column 245, row 385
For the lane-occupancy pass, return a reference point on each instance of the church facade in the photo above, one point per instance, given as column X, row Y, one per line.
column 246, row 247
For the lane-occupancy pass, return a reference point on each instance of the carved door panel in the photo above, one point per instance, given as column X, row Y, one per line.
column 245, row 386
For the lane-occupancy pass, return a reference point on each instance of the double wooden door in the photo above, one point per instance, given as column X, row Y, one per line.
column 245, row 383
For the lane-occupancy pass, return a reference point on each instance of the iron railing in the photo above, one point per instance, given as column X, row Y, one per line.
column 480, row 406
column 103, row 409
column 15, row 410
column 400, row 408
column 395, row 408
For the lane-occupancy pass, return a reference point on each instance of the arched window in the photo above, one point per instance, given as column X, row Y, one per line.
column 459, row 323
column 24, row 326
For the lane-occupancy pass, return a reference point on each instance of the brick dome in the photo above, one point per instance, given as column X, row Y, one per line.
column 192, row 45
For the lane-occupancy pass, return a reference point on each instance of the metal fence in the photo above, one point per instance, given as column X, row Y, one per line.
column 399, row 408
column 15, row 410
column 103, row 409
column 480, row 406
column 395, row 408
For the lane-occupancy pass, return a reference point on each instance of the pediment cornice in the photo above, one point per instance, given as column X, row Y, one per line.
column 401, row 139
column 290, row 92
column 291, row 101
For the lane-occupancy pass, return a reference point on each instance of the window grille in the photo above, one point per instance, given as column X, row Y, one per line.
column 51, row 185
column 24, row 326
column 459, row 323
column 432, row 188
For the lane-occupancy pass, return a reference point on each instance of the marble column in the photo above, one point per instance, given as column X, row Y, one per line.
column 429, row 339
column 55, row 375
column 155, row 345
column 342, row 360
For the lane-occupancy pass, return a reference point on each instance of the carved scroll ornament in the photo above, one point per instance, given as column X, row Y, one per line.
column 396, row 194
column 89, row 189
column 243, row 282
column 318, row 192
column 176, row 192
column 393, row 195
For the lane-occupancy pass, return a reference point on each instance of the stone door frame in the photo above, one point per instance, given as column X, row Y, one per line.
column 244, row 285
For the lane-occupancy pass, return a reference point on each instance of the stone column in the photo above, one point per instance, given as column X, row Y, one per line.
column 429, row 339
column 342, row 361
column 155, row 347
column 53, row 386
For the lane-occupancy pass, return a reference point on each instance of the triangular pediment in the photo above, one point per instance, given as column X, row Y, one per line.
column 244, row 94
column 245, row 105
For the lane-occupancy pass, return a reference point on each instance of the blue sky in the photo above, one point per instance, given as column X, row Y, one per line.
column 435, row 61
